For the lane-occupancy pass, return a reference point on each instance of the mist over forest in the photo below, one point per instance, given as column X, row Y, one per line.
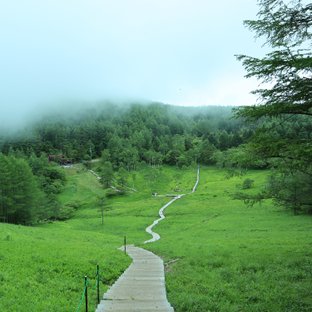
column 216, row 186
column 125, row 136
column 59, row 129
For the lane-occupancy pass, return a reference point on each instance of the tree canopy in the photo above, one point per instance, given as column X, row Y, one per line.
column 28, row 188
column 285, row 107
column 286, row 28
column 154, row 134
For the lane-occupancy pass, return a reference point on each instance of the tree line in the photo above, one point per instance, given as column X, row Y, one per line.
column 155, row 134
column 123, row 137
column 28, row 189
column 283, row 139
column 274, row 135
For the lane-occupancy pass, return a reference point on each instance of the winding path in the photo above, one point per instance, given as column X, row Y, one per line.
column 156, row 236
column 197, row 181
column 142, row 286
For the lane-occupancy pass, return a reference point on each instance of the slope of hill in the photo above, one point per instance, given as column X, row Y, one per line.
column 220, row 254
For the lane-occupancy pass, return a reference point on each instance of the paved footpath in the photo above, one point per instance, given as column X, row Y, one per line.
column 149, row 229
column 140, row 288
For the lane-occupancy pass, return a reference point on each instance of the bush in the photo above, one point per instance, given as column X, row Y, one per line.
column 247, row 184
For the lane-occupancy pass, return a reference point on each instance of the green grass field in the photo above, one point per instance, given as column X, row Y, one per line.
column 220, row 255
column 227, row 257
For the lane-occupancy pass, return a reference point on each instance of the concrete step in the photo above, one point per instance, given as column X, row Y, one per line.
column 140, row 288
column 130, row 305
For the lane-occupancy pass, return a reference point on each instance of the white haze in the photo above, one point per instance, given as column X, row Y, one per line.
column 178, row 52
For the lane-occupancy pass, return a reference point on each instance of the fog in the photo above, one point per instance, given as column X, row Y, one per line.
column 180, row 52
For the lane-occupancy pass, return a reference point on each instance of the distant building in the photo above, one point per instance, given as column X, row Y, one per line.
column 60, row 159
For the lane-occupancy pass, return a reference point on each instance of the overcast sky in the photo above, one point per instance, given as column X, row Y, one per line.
column 178, row 52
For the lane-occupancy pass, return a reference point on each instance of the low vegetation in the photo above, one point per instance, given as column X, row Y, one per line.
column 220, row 254
column 225, row 256
column 42, row 268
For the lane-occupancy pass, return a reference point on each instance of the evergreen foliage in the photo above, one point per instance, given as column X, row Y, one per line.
column 287, row 30
column 107, row 174
column 20, row 195
column 122, row 137
column 285, row 110
column 154, row 134
column 28, row 189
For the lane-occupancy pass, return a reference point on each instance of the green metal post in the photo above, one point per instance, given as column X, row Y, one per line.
column 98, row 283
column 86, row 292
column 125, row 244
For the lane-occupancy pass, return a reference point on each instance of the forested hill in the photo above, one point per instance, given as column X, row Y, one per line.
column 129, row 134
column 124, row 136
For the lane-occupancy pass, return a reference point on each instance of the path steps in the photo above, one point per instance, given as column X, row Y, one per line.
column 140, row 288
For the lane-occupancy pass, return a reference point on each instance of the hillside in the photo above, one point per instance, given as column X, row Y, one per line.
column 220, row 254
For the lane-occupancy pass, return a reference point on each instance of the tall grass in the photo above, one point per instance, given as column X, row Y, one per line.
column 220, row 255
column 225, row 256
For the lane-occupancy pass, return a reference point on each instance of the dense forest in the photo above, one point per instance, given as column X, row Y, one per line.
column 122, row 136
column 275, row 135
column 155, row 133
column 283, row 138
column 125, row 137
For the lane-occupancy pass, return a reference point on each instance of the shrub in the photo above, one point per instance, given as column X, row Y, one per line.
column 247, row 184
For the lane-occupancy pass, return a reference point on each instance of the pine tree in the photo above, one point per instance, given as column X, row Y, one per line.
column 107, row 174
column 287, row 68
column 286, row 98
column 20, row 194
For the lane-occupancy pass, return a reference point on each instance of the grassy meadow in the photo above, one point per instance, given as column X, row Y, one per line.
column 42, row 268
column 220, row 255
column 224, row 256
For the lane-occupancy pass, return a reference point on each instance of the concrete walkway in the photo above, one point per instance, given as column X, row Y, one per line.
column 140, row 288
column 149, row 229
column 197, row 181
column 156, row 236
